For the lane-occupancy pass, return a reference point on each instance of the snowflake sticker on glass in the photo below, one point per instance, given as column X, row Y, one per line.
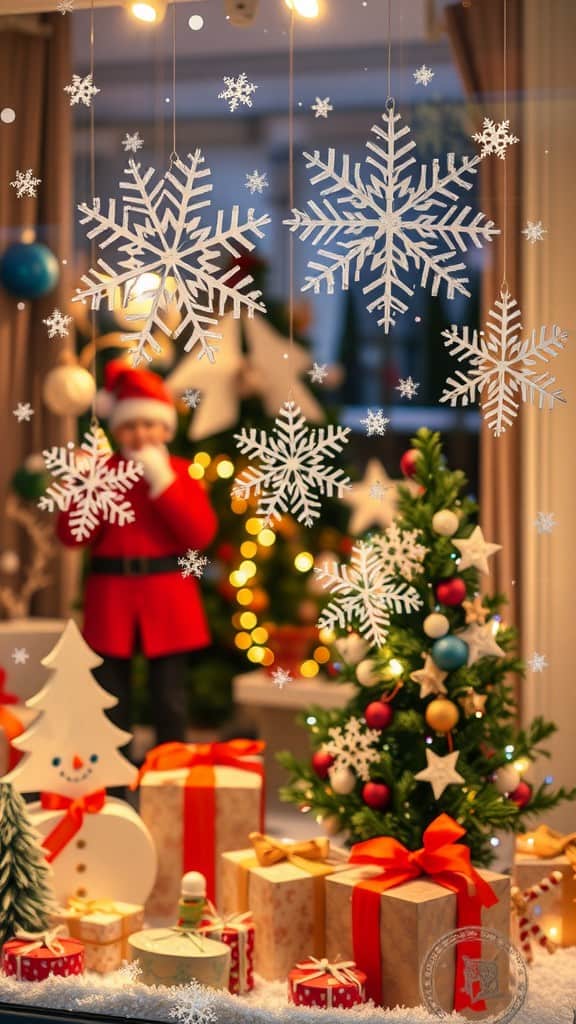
column 505, row 369
column 381, row 222
column 160, row 233
column 293, row 471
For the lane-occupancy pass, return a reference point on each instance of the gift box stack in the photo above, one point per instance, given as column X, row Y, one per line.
column 103, row 927
column 34, row 957
column 545, row 874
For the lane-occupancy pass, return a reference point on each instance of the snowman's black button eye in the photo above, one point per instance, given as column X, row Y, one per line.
column 93, row 758
column 56, row 761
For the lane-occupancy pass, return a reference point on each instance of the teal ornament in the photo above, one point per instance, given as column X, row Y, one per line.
column 29, row 270
column 450, row 653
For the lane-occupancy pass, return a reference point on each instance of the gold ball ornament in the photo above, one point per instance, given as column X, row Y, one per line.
column 367, row 673
column 68, row 389
column 441, row 715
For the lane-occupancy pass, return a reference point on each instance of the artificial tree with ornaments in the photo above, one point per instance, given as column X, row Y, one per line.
column 432, row 726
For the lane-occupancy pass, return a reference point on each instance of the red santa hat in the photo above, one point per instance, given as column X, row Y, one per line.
column 130, row 394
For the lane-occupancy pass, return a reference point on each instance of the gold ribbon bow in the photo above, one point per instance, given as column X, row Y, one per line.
column 85, row 906
column 342, row 972
column 545, row 842
column 269, row 851
column 35, row 940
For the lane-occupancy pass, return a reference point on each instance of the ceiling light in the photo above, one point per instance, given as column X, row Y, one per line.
column 150, row 11
column 306, row 8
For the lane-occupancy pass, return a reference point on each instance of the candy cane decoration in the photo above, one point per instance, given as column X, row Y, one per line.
column 529, row 929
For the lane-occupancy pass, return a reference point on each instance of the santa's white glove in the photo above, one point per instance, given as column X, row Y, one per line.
column 157, row 469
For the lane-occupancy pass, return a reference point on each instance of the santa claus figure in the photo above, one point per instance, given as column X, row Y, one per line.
column 136, row 598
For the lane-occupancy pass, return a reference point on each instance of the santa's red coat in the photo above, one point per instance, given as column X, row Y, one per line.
column 160, row 613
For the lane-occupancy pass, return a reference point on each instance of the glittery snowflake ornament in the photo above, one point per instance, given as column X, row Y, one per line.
column 58, row 324
column 545, row 522
column 23, row 412
column 293, row 469
column 132, row 143
column 375, row 423
column 160, row 233
column 237, row 91
column 281, row 677
column 495, row 138
column 389, row 222
column 504, row 368
column 423, row 75
column 534, row 231
column 20, row 655
column 318, row 373
column 321, row 107
column 81, row 90
column 194, row 1004
column 257, row 182
column 192, row 564
column 26, row 184
column 352, row 745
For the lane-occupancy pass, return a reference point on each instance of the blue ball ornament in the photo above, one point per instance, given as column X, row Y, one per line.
column 450, row 653
column 29, row 270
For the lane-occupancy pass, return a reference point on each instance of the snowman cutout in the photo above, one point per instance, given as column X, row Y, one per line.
column 98, row 846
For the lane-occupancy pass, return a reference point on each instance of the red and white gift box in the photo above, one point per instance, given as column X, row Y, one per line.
column 237, row 932
column 320, row 983
column 36, row 956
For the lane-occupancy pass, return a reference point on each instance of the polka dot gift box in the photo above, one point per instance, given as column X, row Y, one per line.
column 34, row 956
column 317, row 982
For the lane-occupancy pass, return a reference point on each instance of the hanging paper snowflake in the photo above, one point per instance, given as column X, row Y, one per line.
column 352, row 745
column 257, row 182
column 81, row 90
column 534, row 231
column 391, row 223
column 238, row 91
column 23, row 412
column 504, row 368
column 293, row 469
column 57, row 324
column 191, row 397
column 408, row 388
column 91, row 485
column 366, row 592
column 318, row 373
column 545, row 522
column 423, row 75
column 132, row 143
column 322, row 108
column 26, row 184
column 160, row 233
column 495, row 138
column 375, row 423
column 537, row 662
column 193, row 564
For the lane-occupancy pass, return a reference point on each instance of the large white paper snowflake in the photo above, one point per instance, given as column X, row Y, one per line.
column 293, row 470
column 89, row 486
column 390, row 223
column 504, row 369
column 193, row 564
column 423, row 75
column 160, row 233
column 57, row 324
column 375, row 423
column 534, row 231
column 401, row 553
column 194, row 1004
column 352, row 746
column 131, row 143
column 23, row 412
column 81, row 90
column 257, row 181
column 26, row 184
column 238, row 91
column 366, row 592
column 495, row 138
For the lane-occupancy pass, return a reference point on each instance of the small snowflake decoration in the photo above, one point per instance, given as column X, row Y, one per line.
column 545, row 522
column 57, row 324
column 191, row 398
column 256, row 182
column 20, row 655
column 537, row 662
column 129, row 973
column 81, row 90
column 238, row 91
column 26, row 184
column 193, row 564
column 132, row 143
column 194, row 1004
column 318, row 373
column 281, row 677
column 322, row 108
column 408, row 388
column 375, row 423
column 423, row 75
column 388, row 221
column 160, row 233
column 293, row 471
column 504, row 368
column 495, row 138
column 534, row 231
column 23, row 412
column 352, row 745
column 65, row 6
column 90, row 487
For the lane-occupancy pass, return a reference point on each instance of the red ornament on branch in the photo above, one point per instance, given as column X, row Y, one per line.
column 522, row 794
column 409, row 462
column 376, row 795
column 322, row 762
column 451, row 592
column 378, row 715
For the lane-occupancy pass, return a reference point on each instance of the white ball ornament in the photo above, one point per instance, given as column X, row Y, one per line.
column 445, row 522
column 367, row 673
column 68, row 390
column 342, row 780
column 352, row 648
column 436, row 625
column 506, row 779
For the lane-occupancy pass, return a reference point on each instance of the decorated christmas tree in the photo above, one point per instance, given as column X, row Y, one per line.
column 432, row 725
column 25, row 888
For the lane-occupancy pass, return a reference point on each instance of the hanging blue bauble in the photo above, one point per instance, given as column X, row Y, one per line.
column 450, row 653
column 29, row 270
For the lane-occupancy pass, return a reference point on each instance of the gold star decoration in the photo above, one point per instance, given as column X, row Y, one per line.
column 475, row 611
column 473, row 703
column 430, row 678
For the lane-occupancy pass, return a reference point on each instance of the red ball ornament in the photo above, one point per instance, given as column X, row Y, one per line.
column 322, row 762
column 409, row 462
column 376, row 795
column 522, row 794
column 451, row 592
column 378, row 715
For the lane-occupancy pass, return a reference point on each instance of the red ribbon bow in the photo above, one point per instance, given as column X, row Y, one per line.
column 199, row 796
column 73, row 819
column 441, row 858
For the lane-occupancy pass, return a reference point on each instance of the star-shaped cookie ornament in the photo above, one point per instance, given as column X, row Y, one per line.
column 430, row 678
column 481, row 642
column 475, row 611
column 475, row 551
column 440, row 772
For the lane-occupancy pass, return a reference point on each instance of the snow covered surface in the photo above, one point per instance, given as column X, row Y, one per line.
column 551, row 999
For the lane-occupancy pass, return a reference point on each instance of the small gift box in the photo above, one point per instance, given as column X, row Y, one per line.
column 326, row 985
column 538, row 855
column 237, row 932
column 34, row 956
column 173, row 956
column 103, row 926
column 196, row 799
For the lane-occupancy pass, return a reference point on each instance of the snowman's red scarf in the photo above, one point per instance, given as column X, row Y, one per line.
column 73, row 819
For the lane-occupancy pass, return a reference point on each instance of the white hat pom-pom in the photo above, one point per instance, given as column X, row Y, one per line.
column 104, row 403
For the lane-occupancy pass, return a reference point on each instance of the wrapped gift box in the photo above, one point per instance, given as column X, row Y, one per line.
column 556, row 909
column 30, row 960
column 328, row 986
column 172, row 956
column 237, row 932
column 103, row 926
column 413, row 916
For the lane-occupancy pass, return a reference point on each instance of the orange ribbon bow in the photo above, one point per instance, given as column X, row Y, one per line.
column 73, row 819
column 446, row 863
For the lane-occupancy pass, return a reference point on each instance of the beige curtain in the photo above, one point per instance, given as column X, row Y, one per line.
column 476, row 33
column 34, row 68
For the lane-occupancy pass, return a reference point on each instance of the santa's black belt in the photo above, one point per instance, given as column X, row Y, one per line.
column 139, row 566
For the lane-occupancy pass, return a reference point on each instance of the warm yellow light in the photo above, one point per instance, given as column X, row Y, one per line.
column 256, row 654
column 146, row 283
column 253, row 526
column 309, row 669
column 522, row 765
column 395, row 667
column 553, row 932
column 248, row 567
column 243, row 641
column 196, row 471
column 305, row 8
column 225, row 469
column 322, row 655
column 244, row 596
column 266, row 538
column 268, row 657
column 248, row 620
column 259, row 635
column 237, row 578
column 203, row 459
column 304, row 561
column 150, row 11
column 248, row 549
column 239, row 506
column 327, row 636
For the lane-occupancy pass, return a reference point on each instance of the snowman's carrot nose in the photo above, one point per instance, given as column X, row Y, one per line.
column 77, row 762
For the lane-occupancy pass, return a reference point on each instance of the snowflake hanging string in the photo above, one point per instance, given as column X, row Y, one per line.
column 160, row 233
column 92, row 486
column 293, row 470
column 390, row 223
column 503, row 367
column 352, row 745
